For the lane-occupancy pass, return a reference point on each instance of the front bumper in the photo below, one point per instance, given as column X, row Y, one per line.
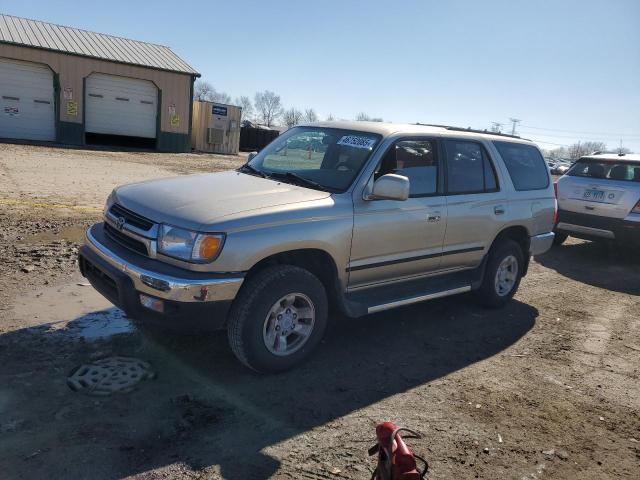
column 596, row 227
column 190, row 299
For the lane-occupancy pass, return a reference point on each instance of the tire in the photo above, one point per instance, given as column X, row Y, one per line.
column 488, row 294
column 560, row 238
column 252, row 318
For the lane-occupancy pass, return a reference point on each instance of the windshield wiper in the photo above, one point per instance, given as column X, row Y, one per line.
column 299, row 179
column 254, row 171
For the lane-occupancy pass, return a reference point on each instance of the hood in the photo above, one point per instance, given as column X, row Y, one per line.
column 198, row 201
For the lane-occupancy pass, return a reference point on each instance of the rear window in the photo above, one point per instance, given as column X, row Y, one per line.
column 526, row 165
column 601, row 169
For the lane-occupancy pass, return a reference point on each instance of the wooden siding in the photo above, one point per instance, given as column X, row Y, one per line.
column 73, row 69
column 203, row 119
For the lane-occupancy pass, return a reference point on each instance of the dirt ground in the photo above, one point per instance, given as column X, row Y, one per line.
column 546, row 388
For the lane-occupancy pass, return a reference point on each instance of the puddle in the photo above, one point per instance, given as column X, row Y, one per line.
column 69, row 234
column 97, row 325
column 74, row 310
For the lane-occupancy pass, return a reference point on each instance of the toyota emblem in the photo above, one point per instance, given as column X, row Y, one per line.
column 120, row 221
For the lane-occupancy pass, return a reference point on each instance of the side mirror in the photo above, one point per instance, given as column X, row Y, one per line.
column 251, row 156
column 390, row 187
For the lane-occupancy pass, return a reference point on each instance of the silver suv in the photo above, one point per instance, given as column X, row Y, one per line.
column 361, row 216
column 599, row 199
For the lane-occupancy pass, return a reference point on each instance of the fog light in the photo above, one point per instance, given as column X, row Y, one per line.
column 152, row 303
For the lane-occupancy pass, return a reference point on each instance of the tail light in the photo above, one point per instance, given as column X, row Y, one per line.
column 555, row 204
column 636, row 209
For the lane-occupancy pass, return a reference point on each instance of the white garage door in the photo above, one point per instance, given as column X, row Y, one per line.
column 120, row 106
column 27, row 108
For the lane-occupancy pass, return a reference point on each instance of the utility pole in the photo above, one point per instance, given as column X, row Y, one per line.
column 515, row 121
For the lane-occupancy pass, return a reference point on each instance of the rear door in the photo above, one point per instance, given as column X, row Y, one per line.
column 476, row 205
column 600, row 187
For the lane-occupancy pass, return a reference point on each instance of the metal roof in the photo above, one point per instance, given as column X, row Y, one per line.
column 36, row 34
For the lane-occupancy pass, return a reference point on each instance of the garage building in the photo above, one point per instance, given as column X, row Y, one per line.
column 66, row 85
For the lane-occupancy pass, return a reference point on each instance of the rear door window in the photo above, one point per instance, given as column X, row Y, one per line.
column 525, row 164
column 601, row 169
column 469, row 169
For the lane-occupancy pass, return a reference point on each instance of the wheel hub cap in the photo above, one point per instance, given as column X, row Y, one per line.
column 289, row 324
column 506, row 275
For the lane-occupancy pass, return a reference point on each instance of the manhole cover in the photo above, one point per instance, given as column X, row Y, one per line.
column 109, row 375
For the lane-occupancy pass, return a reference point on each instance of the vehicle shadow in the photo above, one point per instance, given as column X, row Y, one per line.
column 600, row 264
column 206, row 410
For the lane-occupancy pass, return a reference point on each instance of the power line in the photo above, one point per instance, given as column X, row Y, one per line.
column 581, row 132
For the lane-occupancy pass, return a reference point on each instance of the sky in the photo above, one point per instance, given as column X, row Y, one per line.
column 568, row 69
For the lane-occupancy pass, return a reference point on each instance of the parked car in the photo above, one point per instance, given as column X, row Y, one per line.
column 560, row 168
column 381, row 216
column 599, row 199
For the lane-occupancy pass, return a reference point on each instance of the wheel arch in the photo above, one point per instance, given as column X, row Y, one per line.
column 315, row 260
column 520, row 235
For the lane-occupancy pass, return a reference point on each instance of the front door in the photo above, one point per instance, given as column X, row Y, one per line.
column 396, row 240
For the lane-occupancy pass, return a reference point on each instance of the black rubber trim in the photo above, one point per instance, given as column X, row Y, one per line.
column 414, row 259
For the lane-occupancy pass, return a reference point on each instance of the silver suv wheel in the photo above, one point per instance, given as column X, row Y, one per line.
column 506, row 275
column 288, row 324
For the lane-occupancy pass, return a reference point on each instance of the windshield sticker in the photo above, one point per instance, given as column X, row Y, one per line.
column 357, row 142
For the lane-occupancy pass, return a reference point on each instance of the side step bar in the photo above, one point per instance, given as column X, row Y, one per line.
column 420, row 298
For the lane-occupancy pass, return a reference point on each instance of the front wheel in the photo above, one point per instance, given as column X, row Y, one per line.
column 278, row 318
column 502, row 274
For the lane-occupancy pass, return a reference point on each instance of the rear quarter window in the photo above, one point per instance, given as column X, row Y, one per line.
column 525, row 164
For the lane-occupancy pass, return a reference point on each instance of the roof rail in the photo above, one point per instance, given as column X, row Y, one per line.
column 471, row 130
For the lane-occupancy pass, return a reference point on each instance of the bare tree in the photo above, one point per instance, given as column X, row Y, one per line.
column 220, row 97
column 580, row 149
column 202, row 90
column 377, row 119
column 363, row 117
column 268, row 106
column 330, row 117
column 310, row 115
column 292, row 117
column 247, row 107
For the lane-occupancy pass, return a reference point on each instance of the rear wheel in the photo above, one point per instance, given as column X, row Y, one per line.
column 278, row 318
column 502, row 274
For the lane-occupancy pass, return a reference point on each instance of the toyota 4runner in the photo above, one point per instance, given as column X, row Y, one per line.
column 363, row 217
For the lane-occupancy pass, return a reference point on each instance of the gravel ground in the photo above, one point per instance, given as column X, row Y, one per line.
column 545, row 388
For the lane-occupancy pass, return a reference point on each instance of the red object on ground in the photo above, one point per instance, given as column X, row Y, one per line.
column 396, row 461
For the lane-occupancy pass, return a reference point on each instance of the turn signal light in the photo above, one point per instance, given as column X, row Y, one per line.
column 636, row 209
column 209, row 247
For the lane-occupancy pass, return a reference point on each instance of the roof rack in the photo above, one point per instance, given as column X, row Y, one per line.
column 471, row 130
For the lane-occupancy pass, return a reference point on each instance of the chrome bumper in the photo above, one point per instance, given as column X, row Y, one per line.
column 539, row 244
column 168, row 287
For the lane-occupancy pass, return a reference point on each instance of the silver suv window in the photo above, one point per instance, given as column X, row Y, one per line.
column 525, row 164
column 612, row 170
column 415, row 159
column 329, row 157
column 469, row 169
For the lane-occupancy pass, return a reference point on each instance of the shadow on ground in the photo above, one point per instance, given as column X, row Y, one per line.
column 601, row 264
column 205, row 410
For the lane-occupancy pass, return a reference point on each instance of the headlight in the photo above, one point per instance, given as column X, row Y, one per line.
column 109, row 201
column 189, row 246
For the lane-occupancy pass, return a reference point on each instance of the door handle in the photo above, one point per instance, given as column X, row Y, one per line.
column 499, row 210
column 435, row 217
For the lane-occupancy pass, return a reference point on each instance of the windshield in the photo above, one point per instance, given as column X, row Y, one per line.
column 606, row 169
column 323, row 158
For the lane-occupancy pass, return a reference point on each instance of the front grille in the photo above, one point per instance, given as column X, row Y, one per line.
column 125, row 240
column 130, row 217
